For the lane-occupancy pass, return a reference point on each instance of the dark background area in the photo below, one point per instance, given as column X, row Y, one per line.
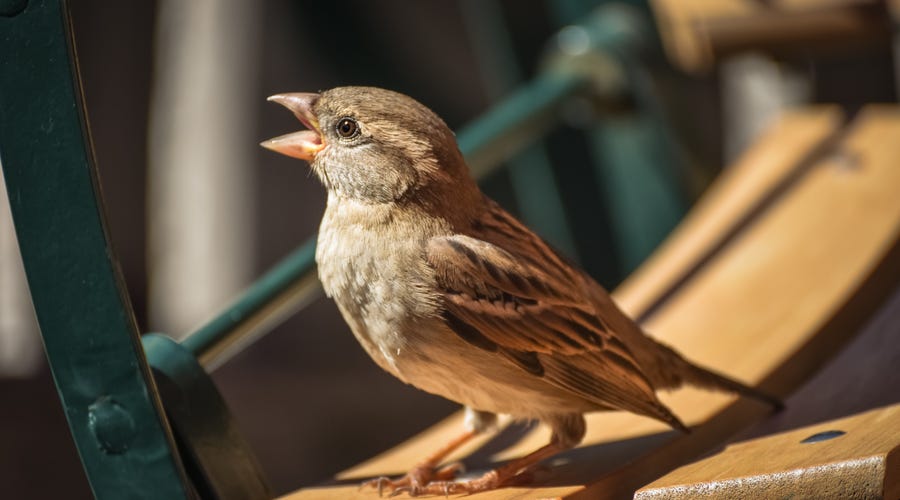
column 306, row 396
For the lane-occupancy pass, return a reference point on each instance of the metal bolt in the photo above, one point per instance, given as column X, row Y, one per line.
column 111, row 424
column 11, row 8
column 822, row 436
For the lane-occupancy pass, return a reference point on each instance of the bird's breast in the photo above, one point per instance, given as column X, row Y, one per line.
column 374, row 269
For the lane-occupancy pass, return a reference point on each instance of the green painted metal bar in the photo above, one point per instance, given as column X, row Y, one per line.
column 638, row 175
column 88, row 327
column 538, row 198
column 506, row 129
column 522, row 117
column 219, row 460
column 286, row 288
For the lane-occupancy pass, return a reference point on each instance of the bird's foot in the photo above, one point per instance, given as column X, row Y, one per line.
column 416, row 480
column 489, row 481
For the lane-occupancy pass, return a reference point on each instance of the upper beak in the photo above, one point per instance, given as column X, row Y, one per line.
column 304, row 144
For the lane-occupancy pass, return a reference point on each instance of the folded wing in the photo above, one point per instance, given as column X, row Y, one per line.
column 539, row 318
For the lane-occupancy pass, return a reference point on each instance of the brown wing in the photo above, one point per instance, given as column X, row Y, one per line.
column 513, row 304
column 537, row 316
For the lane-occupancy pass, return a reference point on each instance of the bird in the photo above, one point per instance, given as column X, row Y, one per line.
column 450, row 293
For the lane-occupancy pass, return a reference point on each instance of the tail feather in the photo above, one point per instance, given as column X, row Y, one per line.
column 708, row 379
column 680, row 371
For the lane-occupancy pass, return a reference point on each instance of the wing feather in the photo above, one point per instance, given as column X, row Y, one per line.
column 538, row 319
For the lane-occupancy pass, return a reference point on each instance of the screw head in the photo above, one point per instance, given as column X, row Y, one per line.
column 111, row 424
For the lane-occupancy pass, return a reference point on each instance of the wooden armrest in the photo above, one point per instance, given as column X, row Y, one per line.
column 853, row 457
column 765, row 280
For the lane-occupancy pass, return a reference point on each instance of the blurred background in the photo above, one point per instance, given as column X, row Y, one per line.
column 175, row 93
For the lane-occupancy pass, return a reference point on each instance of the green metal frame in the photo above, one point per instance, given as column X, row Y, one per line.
column 172, row 436
column 85, row 316
column 218, row 459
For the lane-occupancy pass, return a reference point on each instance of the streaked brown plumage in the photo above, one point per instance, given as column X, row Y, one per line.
column 450, row 293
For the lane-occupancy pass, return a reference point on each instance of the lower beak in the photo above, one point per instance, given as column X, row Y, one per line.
column 304, row 144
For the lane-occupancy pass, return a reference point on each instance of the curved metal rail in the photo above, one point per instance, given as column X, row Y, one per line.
column 85, row 316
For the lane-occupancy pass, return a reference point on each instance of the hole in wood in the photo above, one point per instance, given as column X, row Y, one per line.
column 823, row 436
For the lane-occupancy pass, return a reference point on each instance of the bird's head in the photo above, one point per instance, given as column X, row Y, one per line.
column 370, row 144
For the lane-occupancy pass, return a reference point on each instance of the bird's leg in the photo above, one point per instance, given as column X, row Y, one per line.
column 568, row 431
column 425, row 471
column 513, row 473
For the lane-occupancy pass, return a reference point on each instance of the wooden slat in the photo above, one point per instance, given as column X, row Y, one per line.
column 863, row 462
column 696, row 33
column 782, row 149
column 767, row 300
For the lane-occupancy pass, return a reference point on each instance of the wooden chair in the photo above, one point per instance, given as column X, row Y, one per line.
column 771, row 274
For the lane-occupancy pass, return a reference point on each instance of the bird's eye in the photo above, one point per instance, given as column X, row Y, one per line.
column 347, row 128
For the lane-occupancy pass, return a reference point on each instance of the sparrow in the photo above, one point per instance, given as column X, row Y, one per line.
column 448, row 292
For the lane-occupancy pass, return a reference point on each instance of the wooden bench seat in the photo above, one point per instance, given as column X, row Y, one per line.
column 776, row 268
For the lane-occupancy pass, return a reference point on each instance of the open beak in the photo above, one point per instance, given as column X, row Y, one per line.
column 304, row 144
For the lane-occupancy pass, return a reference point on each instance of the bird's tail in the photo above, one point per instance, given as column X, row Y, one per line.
column 685, row 372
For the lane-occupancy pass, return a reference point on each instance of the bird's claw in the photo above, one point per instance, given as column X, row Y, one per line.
column 434, row 488
column 399, row 491
column 379, row 484
column 443, row 487
column 416, row 481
